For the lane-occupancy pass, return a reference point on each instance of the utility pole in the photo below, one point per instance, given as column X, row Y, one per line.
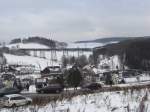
column 124, row 58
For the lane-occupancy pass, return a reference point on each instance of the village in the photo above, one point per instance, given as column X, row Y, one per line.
column 66, row 71
column 74, row 56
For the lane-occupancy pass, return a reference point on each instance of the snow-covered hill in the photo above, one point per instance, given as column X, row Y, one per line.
column 88, row 45
column 41, row 46
column 27, row 46
column 39, row 63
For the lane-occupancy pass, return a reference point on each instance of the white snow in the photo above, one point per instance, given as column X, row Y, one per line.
column 84, row 45
column 27, row 46
column 32, row 89
column 112, row 62
column 125, row 101
column 39, row 63
column 141, row 78
column 88, row 45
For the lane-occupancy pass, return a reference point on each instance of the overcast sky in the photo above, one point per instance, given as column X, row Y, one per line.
column 71, row 20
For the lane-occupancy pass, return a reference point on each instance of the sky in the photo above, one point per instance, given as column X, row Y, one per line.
column 73, row 20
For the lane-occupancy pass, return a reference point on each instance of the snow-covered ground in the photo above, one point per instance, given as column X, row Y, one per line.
column 112, row 62
column 57, row 55
column 27, row 46
column 87, row 45
column 39, row 63
column 84, row 45
column 70, row 45
column 140, row 78
column 125, row 101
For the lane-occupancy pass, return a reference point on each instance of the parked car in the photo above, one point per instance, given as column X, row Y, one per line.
column 131, row 73
column 52, row 88
column 10, row 90
column 15, row 100
column 92, row 86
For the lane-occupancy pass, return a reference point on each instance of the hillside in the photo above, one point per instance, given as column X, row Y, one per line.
column 96, row 42
column 39, row 40
column 27, row 46
column 105, row 40
column 133, row 52
column 39, row 63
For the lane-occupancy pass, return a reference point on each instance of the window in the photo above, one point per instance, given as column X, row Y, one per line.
column 18, row 98
column 5, row 98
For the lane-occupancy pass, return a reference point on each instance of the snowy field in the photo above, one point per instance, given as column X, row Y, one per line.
column 84, row 45
column 39, row 63
column 37, row 45
column 57, row 55
column 70, row 45
column 27, row 46
column 125, row 101
column 88, row 45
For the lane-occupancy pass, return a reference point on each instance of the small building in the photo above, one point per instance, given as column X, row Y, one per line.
column 90, row 74
column 25, row 69
column 51, row 72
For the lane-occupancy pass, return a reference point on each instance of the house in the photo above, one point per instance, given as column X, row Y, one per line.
column 51, row 72
column 90, row 74
column 25, row 69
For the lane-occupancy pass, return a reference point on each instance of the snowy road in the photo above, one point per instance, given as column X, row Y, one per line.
column 105, row 88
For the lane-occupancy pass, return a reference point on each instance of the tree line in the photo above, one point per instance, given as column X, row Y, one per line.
column 41, row 40
column 81, row 61
column 134, row 53
column 36, row 39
